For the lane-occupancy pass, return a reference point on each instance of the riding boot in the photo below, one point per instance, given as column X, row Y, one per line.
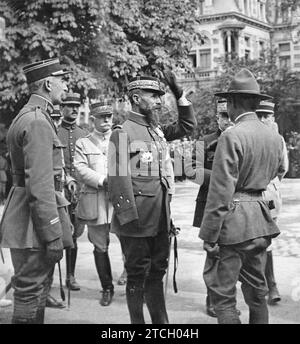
column 155, row 300
column 105, row 275
column 274, row 296
column 135, row 301
column 71, row 257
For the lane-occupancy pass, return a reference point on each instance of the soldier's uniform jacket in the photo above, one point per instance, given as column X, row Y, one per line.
column 68, row 134
column 137, row 189
column 210, row 146
column 91, row 166
column 35, row 212
column 247, row 158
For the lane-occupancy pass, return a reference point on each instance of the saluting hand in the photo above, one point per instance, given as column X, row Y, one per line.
column 170, row 78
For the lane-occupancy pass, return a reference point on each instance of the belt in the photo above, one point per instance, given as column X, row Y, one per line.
column 19, row 180
column 247, row 196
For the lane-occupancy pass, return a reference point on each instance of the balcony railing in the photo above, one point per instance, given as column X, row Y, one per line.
column 199, row 74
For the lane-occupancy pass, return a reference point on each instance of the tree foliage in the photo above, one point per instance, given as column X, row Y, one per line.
column 104, row 42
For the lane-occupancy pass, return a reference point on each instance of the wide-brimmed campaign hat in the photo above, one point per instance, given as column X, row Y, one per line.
column 147, row 83
column 72, row 98
column 42, row 69
column 243, row 82
column 101, row 108
column 266, row 106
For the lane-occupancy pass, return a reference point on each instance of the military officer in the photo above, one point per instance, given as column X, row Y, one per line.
column 138, row 186
column 265, row 113
column 94, row 208
column 56, row 116
column 69, row 132
column 237, row 226
column 210, row 144
column 35, row 225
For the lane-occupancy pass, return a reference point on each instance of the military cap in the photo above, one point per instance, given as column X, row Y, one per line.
column 100, row 108
column 72, row 99
column 147, row 83
column 221, row 106
column 245, row 83
column 266, row 107
column 42, row 69
column 56, row 112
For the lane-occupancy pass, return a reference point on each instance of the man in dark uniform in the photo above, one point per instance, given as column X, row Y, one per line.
column 35, row 225
column 69, row 132
column 210, row 146
column 237, row 226
column 138, row 186
column 56, row 116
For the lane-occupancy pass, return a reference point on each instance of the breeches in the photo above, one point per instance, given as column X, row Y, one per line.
column 99, row 236
column 244, row 262
column 31, row 282
column 145, row 258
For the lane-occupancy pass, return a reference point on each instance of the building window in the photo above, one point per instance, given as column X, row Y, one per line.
column 205, row 58
column 284, row 47
column 261, row 49
column 201, row 7
column 285, row 62
column 246, row 6
column 261, row 11
column 247, row 54
column 285, row 15
column 247, row 42
column 193, row 59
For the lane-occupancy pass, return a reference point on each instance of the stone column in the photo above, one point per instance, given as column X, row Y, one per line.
column 228, row 33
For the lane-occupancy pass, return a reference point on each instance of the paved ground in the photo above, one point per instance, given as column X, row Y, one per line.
column 187, row 306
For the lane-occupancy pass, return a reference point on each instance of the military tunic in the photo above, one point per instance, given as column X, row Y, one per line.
column 68, row 134
column 139, row 185
column 236, row 216
column 35, row 212
column 138, row 194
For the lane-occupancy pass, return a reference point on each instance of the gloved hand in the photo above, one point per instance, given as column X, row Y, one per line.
column 54, row 251
column 213, row 250
column 170, row 78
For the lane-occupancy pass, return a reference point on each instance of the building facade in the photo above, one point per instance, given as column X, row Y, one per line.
column 244, row 29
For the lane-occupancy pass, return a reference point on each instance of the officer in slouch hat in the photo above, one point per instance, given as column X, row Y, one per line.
column 237, row 226
column 35, row 225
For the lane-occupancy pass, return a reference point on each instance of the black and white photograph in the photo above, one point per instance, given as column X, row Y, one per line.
column 149, row 164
